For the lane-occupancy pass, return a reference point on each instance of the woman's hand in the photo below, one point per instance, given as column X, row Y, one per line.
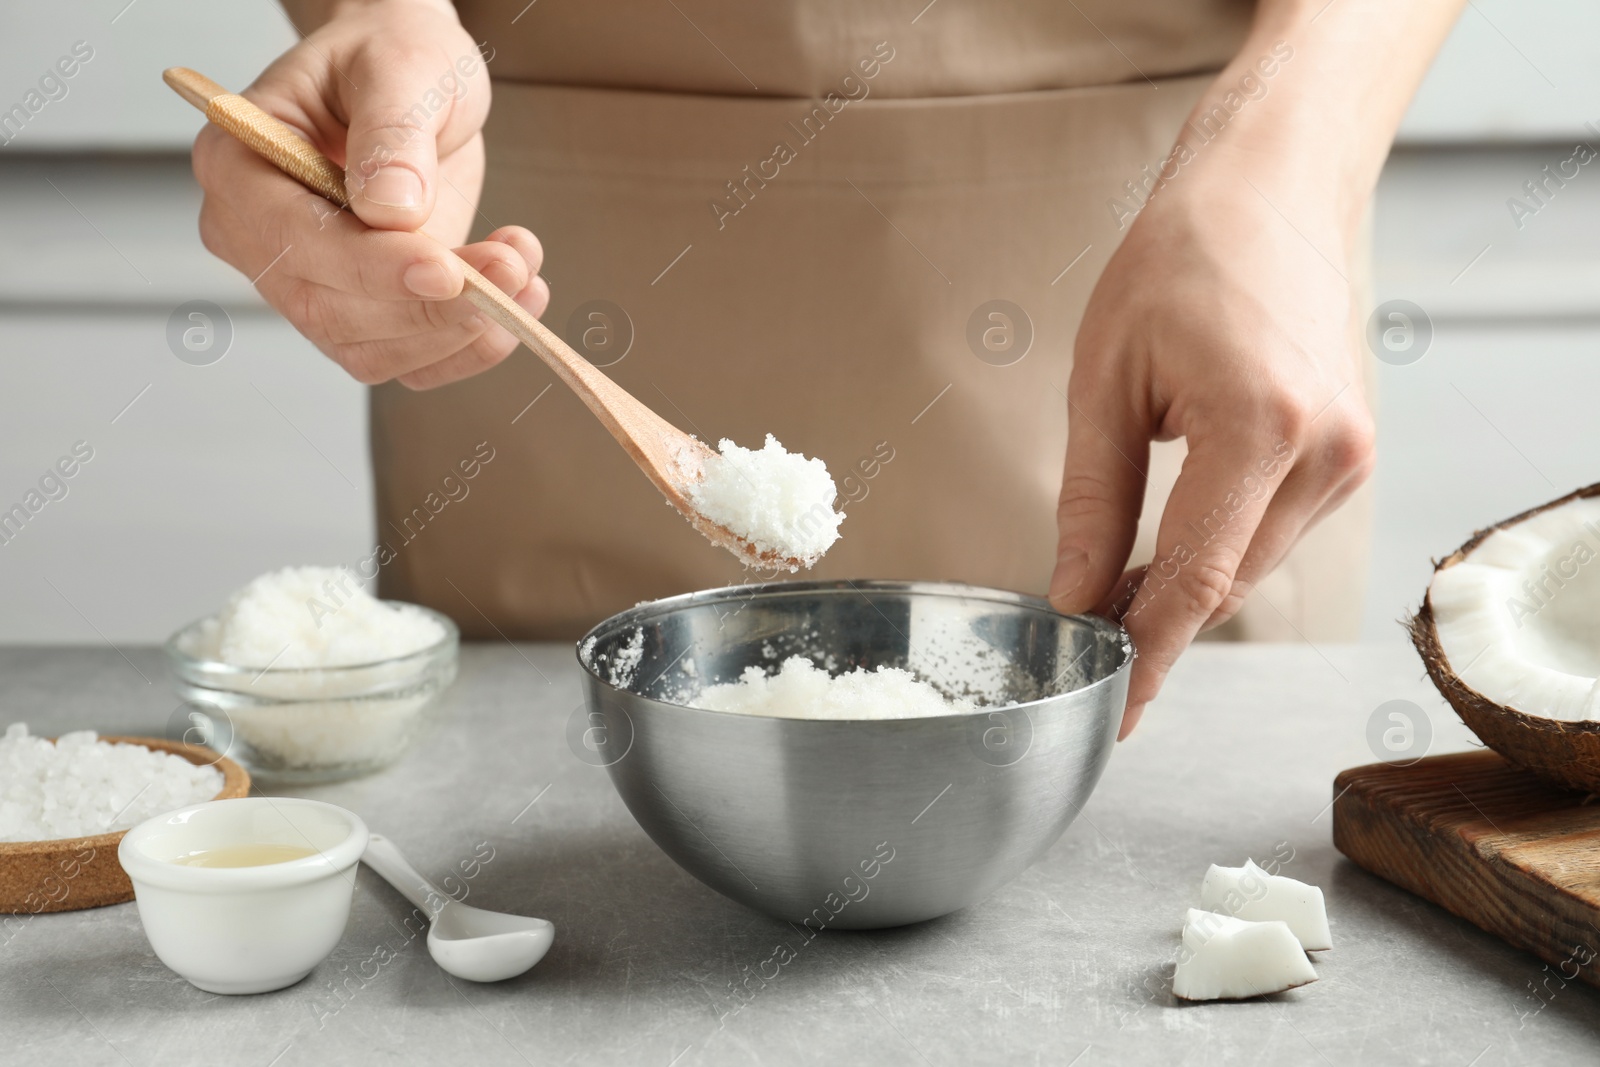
column 1226, row 324
column 396, row 92
column 1225, row 318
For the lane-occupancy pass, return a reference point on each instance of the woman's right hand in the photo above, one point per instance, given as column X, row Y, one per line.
column 396, row 92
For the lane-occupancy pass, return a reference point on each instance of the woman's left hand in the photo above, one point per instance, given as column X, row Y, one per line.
column 1224, row 318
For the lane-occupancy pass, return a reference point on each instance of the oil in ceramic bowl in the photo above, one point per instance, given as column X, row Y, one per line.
column 244, row 855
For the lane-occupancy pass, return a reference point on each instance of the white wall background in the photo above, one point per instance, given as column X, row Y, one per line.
column 204, row 476
column 1512, row 70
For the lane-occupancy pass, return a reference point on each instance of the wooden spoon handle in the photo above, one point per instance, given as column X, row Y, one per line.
column 280, row 145
column 274, row 141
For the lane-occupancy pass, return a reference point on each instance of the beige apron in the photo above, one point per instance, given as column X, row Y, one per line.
column 820, row 267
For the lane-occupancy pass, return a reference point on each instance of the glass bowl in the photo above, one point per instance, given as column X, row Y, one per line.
column 309, row 724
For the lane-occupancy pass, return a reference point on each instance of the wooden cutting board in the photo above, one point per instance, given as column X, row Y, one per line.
column 1487, row 841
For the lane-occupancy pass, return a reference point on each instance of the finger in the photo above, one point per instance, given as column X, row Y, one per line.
column 377, row 340
column 525, row 244
column 392, row 148
column 1345, row 491
column 1302, row 488
column 1321, row 479
column 267, row 222
column 1281, row 526
column 501, row 263
column 1115, row 604
column 1102, row 492
column 536, row 297
column 1209, row 521
column 372, row 361
column 486, row 352
column 330, row 317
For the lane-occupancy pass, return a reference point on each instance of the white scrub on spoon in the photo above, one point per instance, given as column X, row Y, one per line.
column 779, row 501
column 1225, row 958
column 1249, row 892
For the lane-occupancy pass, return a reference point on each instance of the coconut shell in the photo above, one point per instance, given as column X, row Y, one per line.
column 1564, row 753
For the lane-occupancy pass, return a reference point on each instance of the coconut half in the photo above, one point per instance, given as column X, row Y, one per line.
column 1251, row 893
column 1233, row 959
column 1510, row 634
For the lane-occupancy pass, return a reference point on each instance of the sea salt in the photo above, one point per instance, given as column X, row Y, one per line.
column 317, row 617
column 802, row 690
column 779, row 501
column 80, row 786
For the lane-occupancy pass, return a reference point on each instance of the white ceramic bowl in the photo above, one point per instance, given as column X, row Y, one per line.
column 245, row 929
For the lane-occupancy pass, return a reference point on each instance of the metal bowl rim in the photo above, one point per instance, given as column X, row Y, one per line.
column 672, row 604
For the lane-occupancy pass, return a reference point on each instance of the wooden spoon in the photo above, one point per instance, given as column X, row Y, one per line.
column 670, row 458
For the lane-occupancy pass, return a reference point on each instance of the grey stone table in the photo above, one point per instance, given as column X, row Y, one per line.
column 1063, row 966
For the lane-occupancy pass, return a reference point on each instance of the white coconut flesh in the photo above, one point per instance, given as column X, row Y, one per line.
column 1518, row 619
column 1226, row 958
column 1251, row 893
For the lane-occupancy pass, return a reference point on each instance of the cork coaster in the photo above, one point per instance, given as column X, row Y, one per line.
column 82, row 872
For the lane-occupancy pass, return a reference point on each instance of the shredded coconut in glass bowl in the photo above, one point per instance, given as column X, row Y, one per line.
column 317, row 617
column 317, row 678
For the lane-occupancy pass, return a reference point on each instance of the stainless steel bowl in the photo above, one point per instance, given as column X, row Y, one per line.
column 858, row 823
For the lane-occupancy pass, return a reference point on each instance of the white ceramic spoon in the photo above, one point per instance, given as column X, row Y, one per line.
column 470, row 943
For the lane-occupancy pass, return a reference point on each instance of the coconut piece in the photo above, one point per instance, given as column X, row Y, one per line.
column 1509, row 632
column 1225, row 958
column 1251, row 893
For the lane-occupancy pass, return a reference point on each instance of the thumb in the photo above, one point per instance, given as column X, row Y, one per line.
column 391, row 150
column 1102, row 491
